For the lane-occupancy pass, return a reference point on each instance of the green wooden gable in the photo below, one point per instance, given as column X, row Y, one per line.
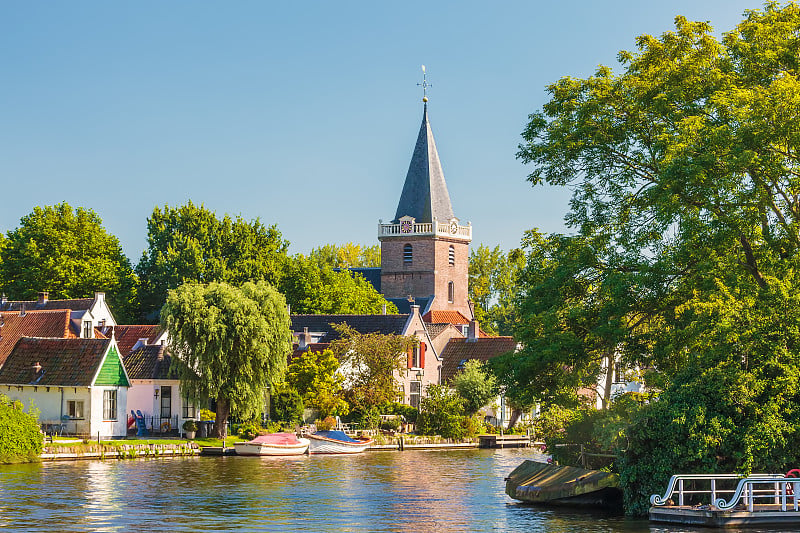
column 112, row 372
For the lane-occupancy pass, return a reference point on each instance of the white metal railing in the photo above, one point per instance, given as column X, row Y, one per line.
column 426, row 228
column 677, row 484
column 775, row 491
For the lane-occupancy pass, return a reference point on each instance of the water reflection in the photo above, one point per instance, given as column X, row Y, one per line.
column 459, row 490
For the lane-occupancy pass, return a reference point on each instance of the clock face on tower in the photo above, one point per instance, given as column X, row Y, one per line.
column 453, row 227
column 405, row 226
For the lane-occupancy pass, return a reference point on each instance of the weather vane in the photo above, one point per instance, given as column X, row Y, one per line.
column 424, row 85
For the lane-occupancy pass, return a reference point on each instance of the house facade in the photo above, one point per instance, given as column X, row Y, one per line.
column 79, row 385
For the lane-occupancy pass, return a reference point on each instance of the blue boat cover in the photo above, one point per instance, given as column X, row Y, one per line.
column 336, row 435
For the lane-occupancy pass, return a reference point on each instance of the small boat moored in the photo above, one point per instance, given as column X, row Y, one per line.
column 729, row 500
column 273, row 444
column 548, row 484
column 336, row 442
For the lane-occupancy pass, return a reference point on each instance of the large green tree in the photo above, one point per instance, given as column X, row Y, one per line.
column 68, row 253
column 492, row 287
column 190, row 243
column 229, row 344
column 314, row 376
column 369, row 364
column 314, row 288
column 686, row 201
column 476, row 385
column 348, row 255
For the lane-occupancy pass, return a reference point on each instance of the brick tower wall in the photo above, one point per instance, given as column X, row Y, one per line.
column 429, row 272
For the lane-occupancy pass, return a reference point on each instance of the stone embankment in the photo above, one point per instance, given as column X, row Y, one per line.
column 121, row 451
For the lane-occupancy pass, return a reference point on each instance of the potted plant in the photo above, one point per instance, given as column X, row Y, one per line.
column 190, row 427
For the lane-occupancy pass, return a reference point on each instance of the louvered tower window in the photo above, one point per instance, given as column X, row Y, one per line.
column 408, row 254
column 451, row 256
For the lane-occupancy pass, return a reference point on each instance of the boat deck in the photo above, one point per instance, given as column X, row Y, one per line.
column 707, row 516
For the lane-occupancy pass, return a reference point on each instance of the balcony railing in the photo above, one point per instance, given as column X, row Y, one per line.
column 442, row 229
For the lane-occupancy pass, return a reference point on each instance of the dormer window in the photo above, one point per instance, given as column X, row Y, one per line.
column 408, row 254
column 87, row 329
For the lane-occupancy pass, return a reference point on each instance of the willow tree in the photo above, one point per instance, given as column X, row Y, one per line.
column 229, row 344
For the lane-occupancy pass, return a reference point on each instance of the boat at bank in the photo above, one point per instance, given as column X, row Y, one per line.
column 336, row 442
column 273, row 444
column 729, row 500
column 549, row 484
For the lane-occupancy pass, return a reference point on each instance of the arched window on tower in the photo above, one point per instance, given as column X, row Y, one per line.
column 451, row 256
column 450, row 292
column 408, row 254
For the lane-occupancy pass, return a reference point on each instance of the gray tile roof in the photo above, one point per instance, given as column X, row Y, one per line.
column 148, row 362
column 383, row 324
column 425, row 195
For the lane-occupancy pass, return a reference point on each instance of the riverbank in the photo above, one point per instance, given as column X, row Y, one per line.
column 66, row 450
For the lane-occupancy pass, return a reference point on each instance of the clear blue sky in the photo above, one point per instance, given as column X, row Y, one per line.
column 302, row 114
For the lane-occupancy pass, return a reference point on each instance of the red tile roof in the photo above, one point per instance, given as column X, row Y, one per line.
column 54, row 324
column 450, row 317
column 64, row 362
column 459, row 350
column 128, row 336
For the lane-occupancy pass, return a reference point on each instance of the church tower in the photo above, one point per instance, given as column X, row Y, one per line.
column 425, row 248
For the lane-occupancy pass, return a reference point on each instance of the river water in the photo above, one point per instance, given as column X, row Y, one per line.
column 454, row 490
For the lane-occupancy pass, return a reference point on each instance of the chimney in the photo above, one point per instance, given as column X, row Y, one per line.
column 99, row 296
column 474, row 331
column 22, row 309
column 42, row 298
column 305, row 339
column 414, row 310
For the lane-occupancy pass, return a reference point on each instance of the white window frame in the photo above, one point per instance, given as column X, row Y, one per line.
column 110, row 405
column 75, row 410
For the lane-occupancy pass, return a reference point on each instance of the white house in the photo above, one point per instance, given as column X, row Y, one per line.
column 79, row 385
column 155, row 391
column 86, row 314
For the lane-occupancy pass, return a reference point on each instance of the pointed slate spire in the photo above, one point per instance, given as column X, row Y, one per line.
column 425, row 195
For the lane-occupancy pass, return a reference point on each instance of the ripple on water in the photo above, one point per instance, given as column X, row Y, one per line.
column 458, row 490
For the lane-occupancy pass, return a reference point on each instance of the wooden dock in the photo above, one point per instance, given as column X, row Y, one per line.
column 504, row 441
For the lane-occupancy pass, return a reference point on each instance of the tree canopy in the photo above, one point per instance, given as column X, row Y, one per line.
column 68, row 253
column 347, row 255
column 314, row 288
column 476, row 385
column 228, row 344
column 369, row 361
column 493, row 286
column 190, row 243
column 314, row 376
column 686, row 203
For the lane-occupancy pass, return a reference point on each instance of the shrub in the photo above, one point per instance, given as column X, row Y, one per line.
column 327, row 424
column 390, row 424
column 441, row 413
column 20, row 438
column 207, row 414
column 287, row 406
column 406, row 411
column 190, row 425
column 366, row 417
column 250, row 430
